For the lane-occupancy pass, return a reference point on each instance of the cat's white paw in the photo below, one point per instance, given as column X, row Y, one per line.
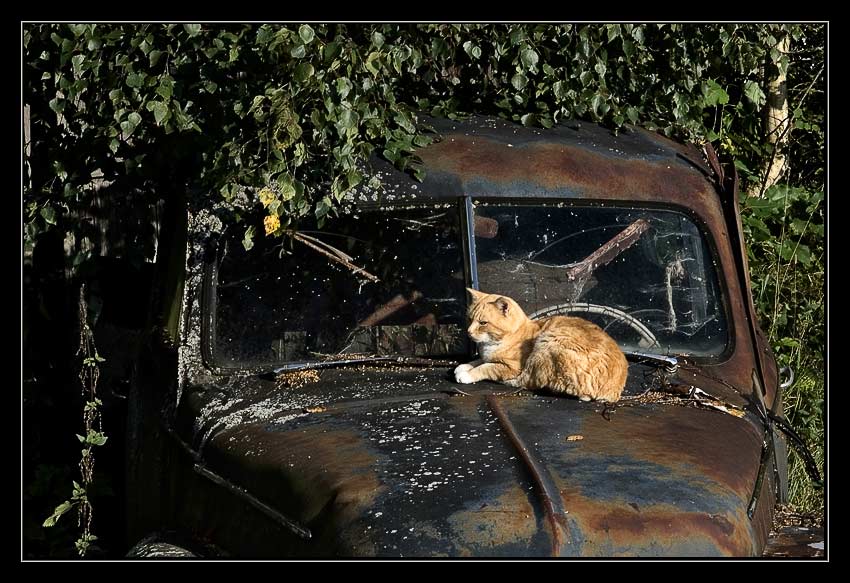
column 464, row 377
column 463, row 368
column 514, row 382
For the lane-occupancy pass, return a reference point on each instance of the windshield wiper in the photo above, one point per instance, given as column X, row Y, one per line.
column 328, row 363
column 670, row 363
column 400, row 360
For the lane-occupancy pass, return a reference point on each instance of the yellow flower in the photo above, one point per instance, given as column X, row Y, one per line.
column 267, row 196
column 271, row 223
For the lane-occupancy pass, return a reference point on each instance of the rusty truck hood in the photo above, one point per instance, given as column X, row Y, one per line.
column 382, row 462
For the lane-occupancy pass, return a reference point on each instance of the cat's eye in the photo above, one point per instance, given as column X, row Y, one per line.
column 482, row 322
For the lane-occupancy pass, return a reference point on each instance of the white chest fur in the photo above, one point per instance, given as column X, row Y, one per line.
column 486, row 350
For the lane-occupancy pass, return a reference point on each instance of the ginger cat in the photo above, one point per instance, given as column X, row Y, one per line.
column 564, row 354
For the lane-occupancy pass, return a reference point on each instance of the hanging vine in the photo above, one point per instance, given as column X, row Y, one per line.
column 94, row 436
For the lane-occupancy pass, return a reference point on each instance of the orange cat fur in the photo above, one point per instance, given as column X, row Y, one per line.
column 560, row 353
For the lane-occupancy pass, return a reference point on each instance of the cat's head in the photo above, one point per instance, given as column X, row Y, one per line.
column 492, row 316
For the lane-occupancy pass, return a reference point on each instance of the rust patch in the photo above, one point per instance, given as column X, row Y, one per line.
column 508, row 519
column 562, row 166
column 719, row 447
column 619, row 529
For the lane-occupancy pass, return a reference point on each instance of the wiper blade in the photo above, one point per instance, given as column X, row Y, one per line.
column 329, row 363
column 670, row 363
column 401, row 360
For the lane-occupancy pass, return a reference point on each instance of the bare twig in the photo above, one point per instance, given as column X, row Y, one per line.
column 336, row 256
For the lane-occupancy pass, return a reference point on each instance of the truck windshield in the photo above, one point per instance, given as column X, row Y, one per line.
column 391, row 281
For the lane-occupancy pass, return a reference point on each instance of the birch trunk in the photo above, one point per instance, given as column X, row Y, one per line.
column 777, row 121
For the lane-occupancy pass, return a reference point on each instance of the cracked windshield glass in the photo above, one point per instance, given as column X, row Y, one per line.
column 645, row 276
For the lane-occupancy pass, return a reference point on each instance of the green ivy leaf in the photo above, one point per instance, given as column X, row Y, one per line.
column 306, row 33
column 348, row 119
column 248, row 239
column 637, row 34
column 77, row 64
column 529, row 58
column 528, row 119
column 165, row 88
column 57, row 104
column 136, row 80
column 517, row 36
column 596, row 103
column 681, row 107
column 559, row 89
column 519, row 81
column 287, row 188
column 154, row 56
column 714, row 93
column 298, row 51
column 471, row 49
column 754, row 93
column 192, row 29
column 131, row 123
column 343, row 87
column 322, row 207
column 48, row 213
column 160, row 111
column 331, row 51
column 373, row 63
column 303, row 72
column 786, row 250
column 57, row 513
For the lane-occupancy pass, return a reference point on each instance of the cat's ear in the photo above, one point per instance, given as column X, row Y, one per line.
column 474, row 294
column 503, row 305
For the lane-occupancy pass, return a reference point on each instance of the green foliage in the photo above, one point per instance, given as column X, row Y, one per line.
column 785, row 231
column 215, row 108
column 785, row 235
column 60, row 510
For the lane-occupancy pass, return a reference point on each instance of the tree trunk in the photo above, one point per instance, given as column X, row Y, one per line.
column 777, row 121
